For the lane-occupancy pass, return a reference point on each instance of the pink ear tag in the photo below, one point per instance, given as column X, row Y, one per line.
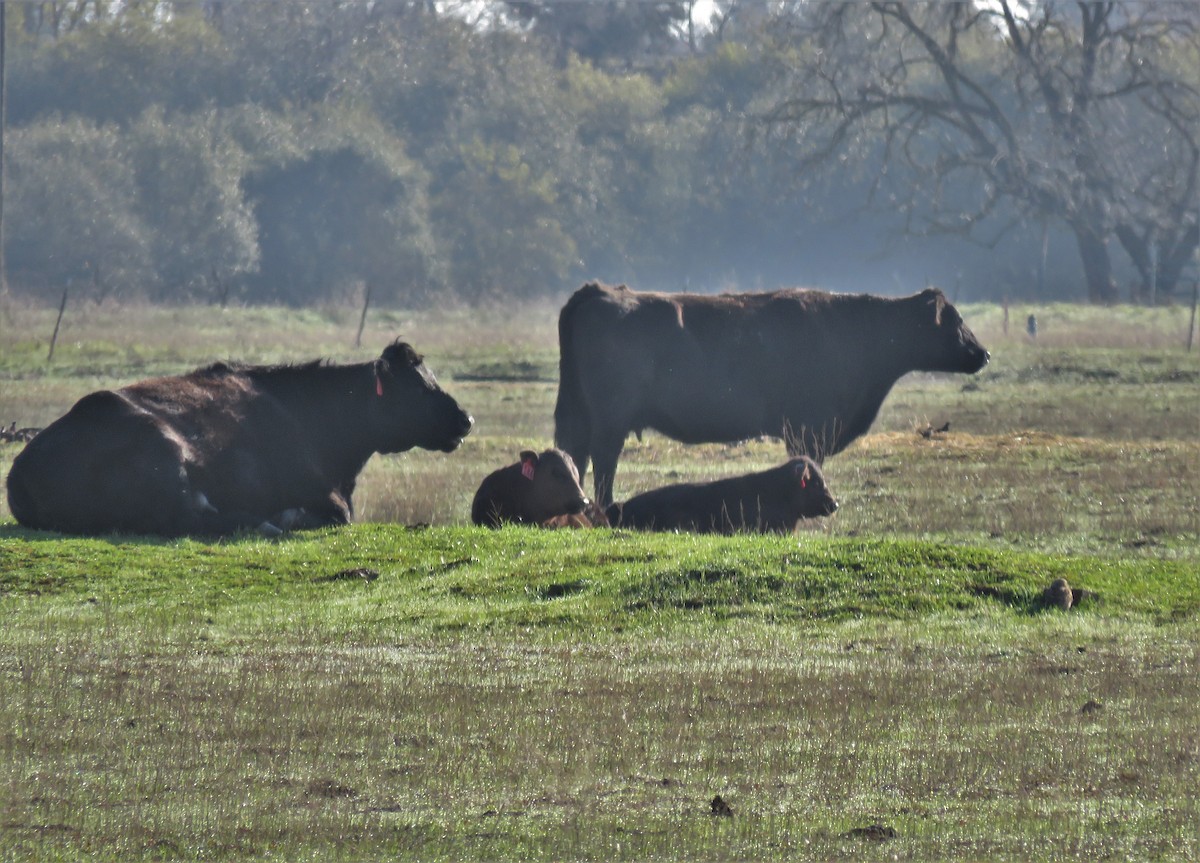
column 527, row 469
column 378, row 385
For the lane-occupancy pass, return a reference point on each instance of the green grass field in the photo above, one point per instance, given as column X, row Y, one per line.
column 887, row 684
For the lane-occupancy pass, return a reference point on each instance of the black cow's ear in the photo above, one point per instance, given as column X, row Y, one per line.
column 400, row 354
column 529, row 460
column 935, row 298
column 381, row 369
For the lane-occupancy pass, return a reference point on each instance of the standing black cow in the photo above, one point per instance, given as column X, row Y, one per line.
column 230, row 447
column 808, row 366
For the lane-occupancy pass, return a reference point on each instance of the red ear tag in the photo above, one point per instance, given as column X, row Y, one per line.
column 803, row 482
column 527, row 469
column 378, row 385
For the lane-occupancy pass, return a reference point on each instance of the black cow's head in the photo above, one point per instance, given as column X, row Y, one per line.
column 410, row 408
column 552, row 484
column 944, row 342
column 809, row 497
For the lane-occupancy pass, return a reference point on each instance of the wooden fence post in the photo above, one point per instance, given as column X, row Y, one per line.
column 54, row 338
column 362, row 321
column 1192, row 320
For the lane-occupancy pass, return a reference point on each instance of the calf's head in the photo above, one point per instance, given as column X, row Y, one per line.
column 944, row 343
column 809, row 496
column 551, row 484
column 410, row 408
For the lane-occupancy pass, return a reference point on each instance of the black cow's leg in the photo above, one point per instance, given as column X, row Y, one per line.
column 573, row 437
column 606, row 451
column 580, row 455
column 334, row 510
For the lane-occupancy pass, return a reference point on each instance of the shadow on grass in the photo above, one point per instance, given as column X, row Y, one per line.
column 16, row 532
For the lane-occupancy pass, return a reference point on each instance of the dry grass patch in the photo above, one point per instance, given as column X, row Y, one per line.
column 1052, row 742
column 1078, row 495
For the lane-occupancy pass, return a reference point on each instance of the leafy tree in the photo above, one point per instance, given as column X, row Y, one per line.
column 619, row 181
column 294, row 151
column 114, row 68
column 287, row 54
column 1042, row 106
column 738, row 20
column 420, row 79
column 291, row 54
column 620, row 33
column 727, row 78
column 337, row 202
column 188, row 175
column 72, row 208
column 498, row 214
column 512, row 186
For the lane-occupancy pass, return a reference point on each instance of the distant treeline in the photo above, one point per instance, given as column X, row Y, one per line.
column 304, row 153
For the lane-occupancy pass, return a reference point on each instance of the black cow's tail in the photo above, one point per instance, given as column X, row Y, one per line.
column 572, row 422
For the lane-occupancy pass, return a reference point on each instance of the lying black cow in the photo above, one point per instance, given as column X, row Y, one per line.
column 808, row 366
column 536, row 489
column 229, row 447
column 771, row 501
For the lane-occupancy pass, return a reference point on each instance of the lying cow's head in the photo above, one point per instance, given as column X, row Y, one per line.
column 810, row 497
column 410, row 408
column 944, row 343
column 551, row 485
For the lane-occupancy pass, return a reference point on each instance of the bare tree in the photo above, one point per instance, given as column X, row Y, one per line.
column 1084, row 112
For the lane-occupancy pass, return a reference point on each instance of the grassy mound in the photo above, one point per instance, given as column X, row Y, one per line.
column 386, row 581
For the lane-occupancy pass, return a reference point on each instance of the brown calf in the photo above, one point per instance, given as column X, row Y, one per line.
column 592, row 516
column 771, row 501
column 535, row 490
